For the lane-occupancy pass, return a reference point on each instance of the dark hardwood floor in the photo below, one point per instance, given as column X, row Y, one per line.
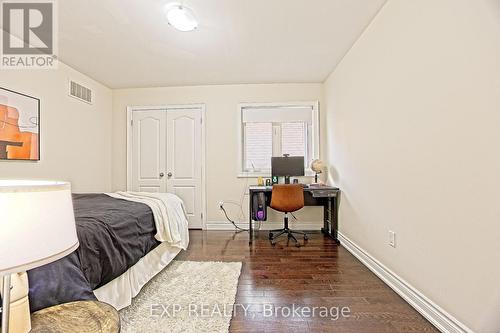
column 319, row 274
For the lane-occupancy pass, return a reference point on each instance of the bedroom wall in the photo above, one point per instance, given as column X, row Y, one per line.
column 221, row 139
column 413, row 114
column 75, row 137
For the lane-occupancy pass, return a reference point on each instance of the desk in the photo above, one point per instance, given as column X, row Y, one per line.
column 327, row 197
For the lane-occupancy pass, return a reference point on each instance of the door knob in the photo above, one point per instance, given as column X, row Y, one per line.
column 162, row 174
column 169, row 174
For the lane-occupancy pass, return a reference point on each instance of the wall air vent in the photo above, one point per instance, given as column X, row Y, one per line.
column 80, row 92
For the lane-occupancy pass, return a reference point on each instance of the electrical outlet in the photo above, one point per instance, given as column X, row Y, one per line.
column 392, row 238
column 221, row 204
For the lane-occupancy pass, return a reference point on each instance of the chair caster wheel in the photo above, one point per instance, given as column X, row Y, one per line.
column 270, row 235
column 273, row 243
column 305, row 237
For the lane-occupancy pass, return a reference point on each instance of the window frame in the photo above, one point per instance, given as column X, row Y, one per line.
column 315, row 134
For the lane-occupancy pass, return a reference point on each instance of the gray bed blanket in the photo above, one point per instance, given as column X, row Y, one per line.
column 113, row 233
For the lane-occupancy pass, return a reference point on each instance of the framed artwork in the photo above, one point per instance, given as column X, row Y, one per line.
column 19, row 126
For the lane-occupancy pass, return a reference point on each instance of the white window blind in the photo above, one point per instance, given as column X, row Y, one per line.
column 277, row 115
column 258, row 146
column 294, row 139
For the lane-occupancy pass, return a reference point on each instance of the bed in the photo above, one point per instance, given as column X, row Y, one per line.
column 125, row 239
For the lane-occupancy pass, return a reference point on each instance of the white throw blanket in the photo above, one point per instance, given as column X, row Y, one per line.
column 168, row 212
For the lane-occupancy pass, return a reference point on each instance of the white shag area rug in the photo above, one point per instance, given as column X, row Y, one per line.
column 187, row 296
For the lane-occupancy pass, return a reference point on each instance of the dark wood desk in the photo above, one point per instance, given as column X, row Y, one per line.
column 327, row 197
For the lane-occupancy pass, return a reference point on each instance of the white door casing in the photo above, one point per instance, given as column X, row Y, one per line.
column 166, row 152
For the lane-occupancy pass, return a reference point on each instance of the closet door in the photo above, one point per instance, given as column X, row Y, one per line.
column 184, row 156
column 148, row 151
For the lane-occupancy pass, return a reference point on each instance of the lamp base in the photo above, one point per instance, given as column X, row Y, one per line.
column 5, row 303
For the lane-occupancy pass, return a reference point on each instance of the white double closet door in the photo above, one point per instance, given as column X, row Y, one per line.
column 165, row 155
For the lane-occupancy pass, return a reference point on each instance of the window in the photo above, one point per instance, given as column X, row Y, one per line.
column 273, row 130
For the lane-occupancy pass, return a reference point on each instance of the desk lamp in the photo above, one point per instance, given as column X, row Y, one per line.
column 37, row 227
column 317, row 166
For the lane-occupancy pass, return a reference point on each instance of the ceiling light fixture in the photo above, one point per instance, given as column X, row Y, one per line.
column 181, row 18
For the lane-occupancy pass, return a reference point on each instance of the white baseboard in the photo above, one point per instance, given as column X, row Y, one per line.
column 221, row 225
column 442, row 320
column 266, row 225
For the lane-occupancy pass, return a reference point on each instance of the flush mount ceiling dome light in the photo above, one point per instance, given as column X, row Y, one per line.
column 181, row 17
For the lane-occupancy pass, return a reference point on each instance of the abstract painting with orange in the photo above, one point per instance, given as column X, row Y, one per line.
column 19, row 126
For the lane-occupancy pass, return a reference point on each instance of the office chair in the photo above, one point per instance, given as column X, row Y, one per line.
column 287, row 198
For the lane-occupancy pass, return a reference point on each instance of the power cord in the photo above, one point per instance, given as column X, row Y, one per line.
column 240, row 205
column 227, row 217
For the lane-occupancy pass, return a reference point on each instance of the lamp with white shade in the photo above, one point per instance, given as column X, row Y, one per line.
column 37, row 226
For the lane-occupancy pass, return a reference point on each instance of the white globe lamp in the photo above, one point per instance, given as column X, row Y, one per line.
column 317, row 166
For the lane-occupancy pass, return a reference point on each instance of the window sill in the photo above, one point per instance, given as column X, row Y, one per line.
column 253, row 175
column 308, row 173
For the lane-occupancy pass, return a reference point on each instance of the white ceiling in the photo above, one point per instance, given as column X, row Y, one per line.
column 128, row 43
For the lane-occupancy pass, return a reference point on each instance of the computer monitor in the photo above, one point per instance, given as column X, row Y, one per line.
column 291, row 166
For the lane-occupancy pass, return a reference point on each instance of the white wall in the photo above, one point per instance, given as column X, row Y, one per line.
column 75, row 137
column 414, row 141
column 221, row 140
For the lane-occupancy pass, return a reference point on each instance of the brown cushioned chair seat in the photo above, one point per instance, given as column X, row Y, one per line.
column 287, row 198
